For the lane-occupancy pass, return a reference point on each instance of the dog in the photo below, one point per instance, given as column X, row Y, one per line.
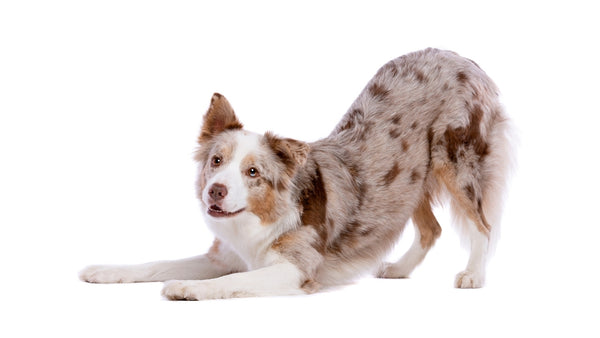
column 291, row 217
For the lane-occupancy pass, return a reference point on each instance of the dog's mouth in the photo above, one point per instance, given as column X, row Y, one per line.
column 216, row 211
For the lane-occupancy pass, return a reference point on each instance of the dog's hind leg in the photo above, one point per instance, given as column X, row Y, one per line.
column 427, row 231
column 476, row 179
column 466, row 203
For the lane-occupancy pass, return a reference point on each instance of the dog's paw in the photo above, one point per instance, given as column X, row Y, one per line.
column 468, row 280
column 201, row 290
column 390, row 270
column 106, row 274
column 182, row 290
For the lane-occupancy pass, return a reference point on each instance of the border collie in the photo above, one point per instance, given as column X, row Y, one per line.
column 291, row 217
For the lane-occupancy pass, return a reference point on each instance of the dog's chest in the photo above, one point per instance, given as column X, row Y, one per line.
column 247, row 237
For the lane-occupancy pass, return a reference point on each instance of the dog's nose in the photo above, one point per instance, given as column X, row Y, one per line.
column 217, row 192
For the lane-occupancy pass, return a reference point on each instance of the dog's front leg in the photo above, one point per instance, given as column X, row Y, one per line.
column 199, row 267
column 219, row 261
column 280, row 279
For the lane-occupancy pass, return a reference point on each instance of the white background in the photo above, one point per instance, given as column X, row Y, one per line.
column 101, row 103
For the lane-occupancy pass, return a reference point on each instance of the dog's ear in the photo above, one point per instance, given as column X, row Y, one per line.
column 218, row 118
column 292, row 153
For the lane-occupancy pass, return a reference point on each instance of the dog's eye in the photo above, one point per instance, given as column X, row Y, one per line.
column 253, row 172
column 216, row 161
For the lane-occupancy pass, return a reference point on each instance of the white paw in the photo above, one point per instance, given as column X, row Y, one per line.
column 106, row 274
column 468, row 280
column 199, row 290
column 181, row 290
column 390, row 270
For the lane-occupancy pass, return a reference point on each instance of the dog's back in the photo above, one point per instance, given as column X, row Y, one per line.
column 427, row 122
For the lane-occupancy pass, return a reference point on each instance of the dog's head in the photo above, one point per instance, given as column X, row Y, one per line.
column 244, row 172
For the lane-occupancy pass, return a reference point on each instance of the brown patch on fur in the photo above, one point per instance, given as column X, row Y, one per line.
column 390, row 176
column 430, row 135
column 470, row 191
column 310, row 286
column 428, row 226
column 264, row 204
column 420, row 76
column 219, row 118
column 263, row 201
column 405, row 145
column 225, row 151
column 314, row 202
column 462, row 77
column 415, row 176
column 414, row 125
column 479, row 144
column 284, row 241
column 467, row 136
column 348, row 125
column 378, row 91
column 472, row 209
column 291, row 153
column 395, row 133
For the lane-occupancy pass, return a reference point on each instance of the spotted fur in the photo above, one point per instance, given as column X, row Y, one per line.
column 307, row 215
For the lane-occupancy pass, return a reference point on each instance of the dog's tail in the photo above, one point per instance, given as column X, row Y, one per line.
column 476, row 173
column 497, row 170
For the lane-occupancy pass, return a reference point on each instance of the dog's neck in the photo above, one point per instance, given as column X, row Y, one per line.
column 249, row 238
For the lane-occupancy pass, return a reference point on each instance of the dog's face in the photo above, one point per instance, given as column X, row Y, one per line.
column 243, row 172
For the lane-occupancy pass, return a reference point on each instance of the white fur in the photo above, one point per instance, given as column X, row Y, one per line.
column 248, row 238
column 199, row 267
column 274, row 280
column 408, row 262
column 474, row 274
